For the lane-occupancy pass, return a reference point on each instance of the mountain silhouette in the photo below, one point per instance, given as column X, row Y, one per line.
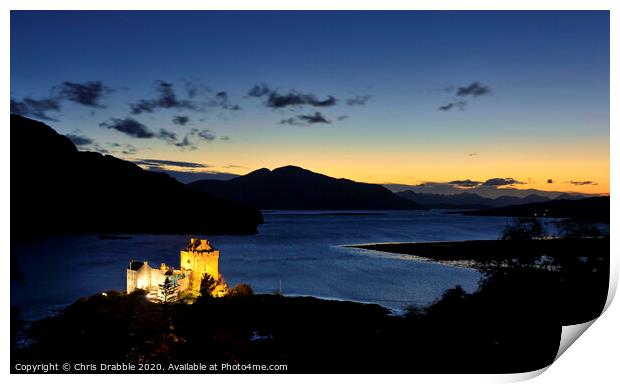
column 590, row 209
column 467, row 200
column 56, row 189
column 293, row 187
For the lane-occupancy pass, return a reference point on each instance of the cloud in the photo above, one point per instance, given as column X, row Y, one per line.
column 342, row 117
column 473, row 89
column 291, row 121
column 225, row 138
column 313, row 119
column 277, row 100
column 166, row 99
column 302, row 120
column 465, row 183
column 259, row 90
column 291, row 99
column 499, row 181
column 180, row 120
column 171, row 163
column 472, row 154
column 458, row 104
column 37, row 108
column 185, row 143
column 167, row 135
column 221, row 101
column 129, row 127
column 549, row 181
column 579, row 183
column 78, row 140
column 203, row 134
column 88, row 94
column 358, row 100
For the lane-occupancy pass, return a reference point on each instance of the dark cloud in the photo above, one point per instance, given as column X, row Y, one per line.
column 499, row 181
column 465, row 183
column 225, row 138
column 180, row 120
column 88, row 94
column 228, row 166
column 457, row 104
column 259, row 90
column 129, row 127
column 473, row 89
column 549, row 181
column 589, row 182
column 313, row 119
column 291, row 99
column 306, row 119
column 343, row 117
column 221, row 100
column 472, row 154
column 185, row 144
column 79, row 140
column 358, row 100
column 203, row 134
column 172, row 163
column 167, row 135
column 291, row 121
column 37, row 108
column 166, row 99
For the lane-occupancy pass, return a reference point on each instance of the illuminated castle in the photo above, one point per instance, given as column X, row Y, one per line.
column 197, row 259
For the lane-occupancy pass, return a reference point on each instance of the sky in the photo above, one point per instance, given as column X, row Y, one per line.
column 499, row 99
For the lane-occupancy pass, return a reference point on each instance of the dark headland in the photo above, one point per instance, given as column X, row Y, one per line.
column 56, row 189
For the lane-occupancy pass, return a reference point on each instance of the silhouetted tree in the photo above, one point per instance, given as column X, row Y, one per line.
column 524, row 228
column 242, row 290
column 168, row 291
column 207, row 285
column 572, row 229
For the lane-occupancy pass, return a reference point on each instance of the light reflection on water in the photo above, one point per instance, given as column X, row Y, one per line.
column 301, row 250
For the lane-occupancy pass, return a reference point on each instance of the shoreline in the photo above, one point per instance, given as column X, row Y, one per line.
column 478, row 254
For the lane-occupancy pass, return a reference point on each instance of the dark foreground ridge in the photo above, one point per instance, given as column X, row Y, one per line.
column 511, row 324
column 55, row 189
column 576, row 270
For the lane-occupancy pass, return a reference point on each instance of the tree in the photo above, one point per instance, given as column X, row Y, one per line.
column 242, row 290
column 524, row 228
column 168, row 291
column 572, row 229
column 207, row 285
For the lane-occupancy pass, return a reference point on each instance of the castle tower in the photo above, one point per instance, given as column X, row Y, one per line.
column 198, row 258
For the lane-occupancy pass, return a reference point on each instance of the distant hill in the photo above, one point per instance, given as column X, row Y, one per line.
column 590, row 209
column 484, row 191
column 466, row 200
column 292, row 187
column 55, row 189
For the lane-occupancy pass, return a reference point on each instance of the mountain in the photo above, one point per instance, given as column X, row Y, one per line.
column 590, row 209
column 466, row 200
column 292, row 187
column 55, row 189
column 490, row 192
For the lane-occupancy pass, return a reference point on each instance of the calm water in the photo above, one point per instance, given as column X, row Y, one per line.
column 302, row 250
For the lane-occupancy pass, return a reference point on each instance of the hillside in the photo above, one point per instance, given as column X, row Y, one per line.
column 55, row 189
column 591, row 209
column 467, row 200
column 292, row 187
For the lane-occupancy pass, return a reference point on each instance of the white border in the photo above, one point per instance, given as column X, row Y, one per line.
column 593, row 358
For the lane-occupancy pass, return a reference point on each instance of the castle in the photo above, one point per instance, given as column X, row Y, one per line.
column 197, row 259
